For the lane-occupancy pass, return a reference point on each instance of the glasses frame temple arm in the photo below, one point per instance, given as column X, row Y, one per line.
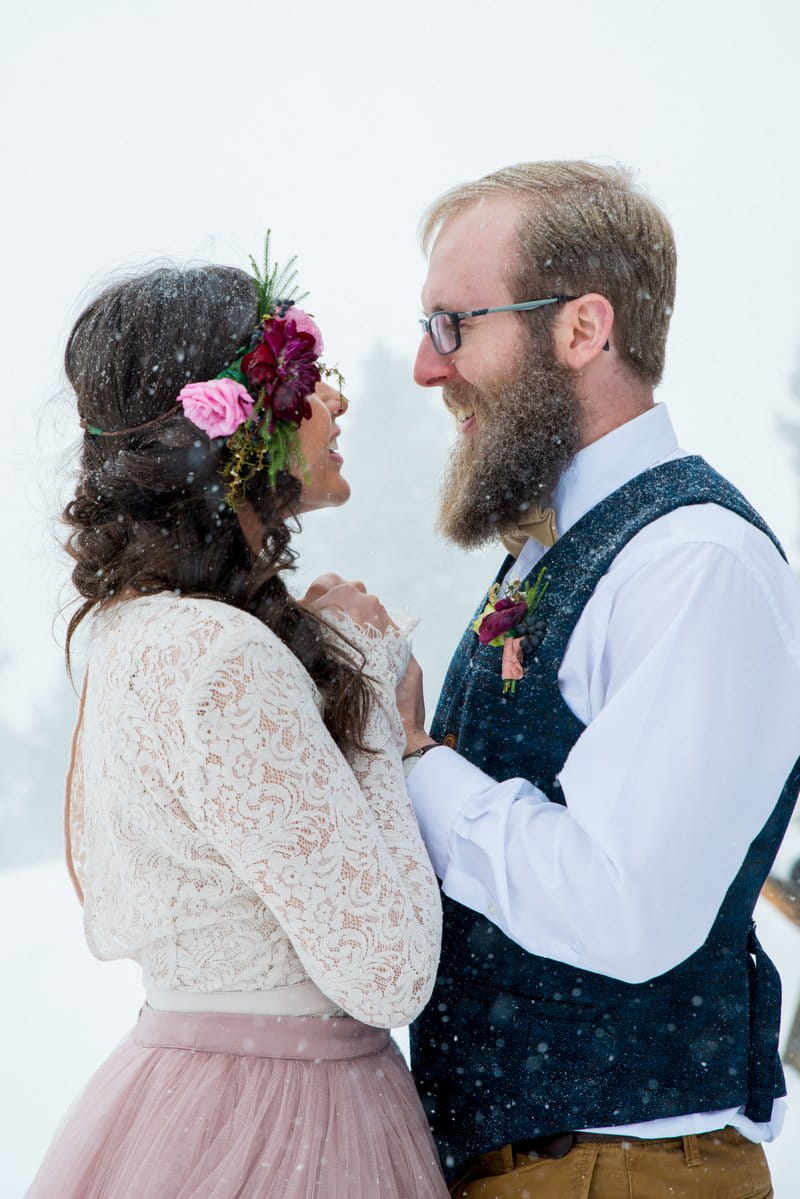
column 527, row 306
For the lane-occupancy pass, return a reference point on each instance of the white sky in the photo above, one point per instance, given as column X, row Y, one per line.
column 136, row 130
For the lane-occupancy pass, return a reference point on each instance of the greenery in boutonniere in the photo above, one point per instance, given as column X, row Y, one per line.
column 504, row 618
column 508, row 622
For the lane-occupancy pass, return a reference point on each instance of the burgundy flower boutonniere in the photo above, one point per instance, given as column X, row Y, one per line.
column 509, row 622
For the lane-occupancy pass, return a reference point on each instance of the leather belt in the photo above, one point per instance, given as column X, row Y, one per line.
column 560, row 1143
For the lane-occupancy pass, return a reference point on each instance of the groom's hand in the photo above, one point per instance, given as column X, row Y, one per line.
column 411, row 706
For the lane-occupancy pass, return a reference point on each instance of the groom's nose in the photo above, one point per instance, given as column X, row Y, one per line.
column 432, row 369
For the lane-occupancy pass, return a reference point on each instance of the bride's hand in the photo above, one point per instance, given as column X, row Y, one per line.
column 324, row 584
column 331, row 591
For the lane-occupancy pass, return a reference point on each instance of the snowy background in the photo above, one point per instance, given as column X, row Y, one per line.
column 134, row 131
column 66, row 1012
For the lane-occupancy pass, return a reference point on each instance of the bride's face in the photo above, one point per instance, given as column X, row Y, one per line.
column 323, row 483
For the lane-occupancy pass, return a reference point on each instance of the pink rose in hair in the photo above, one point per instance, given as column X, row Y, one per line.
column 305, row 324
column 218, row 407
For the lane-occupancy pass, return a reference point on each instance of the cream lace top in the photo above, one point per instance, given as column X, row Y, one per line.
column 220, row 837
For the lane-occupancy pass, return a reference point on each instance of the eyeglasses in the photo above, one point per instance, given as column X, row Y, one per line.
column 444, row 327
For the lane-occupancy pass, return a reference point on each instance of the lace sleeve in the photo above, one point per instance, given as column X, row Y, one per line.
column 384, row 658
column 268, row 786
column 380, row 772
column 75, row 805
column 382, row 782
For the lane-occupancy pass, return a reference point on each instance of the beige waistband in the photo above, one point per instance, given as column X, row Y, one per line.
column 301, row 1038
column 299, row 999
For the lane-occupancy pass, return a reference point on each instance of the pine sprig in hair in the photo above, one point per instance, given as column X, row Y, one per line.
column 284, row 451
column 262, row 444
column 275, row 285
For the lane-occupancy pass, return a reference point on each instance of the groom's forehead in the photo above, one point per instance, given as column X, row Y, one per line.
column 470, row 255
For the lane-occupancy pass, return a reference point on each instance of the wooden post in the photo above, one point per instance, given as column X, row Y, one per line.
column 785, row 896
column 791, row 1050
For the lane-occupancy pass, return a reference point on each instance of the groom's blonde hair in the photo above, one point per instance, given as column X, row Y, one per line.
column 584, row 228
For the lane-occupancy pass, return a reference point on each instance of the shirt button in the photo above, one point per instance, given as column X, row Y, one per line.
column 492, row 910
column 449, row 740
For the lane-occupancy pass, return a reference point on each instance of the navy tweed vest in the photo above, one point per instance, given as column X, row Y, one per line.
column 513, row 1045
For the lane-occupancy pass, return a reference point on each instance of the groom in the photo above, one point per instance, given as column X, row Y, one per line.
column 614, row 756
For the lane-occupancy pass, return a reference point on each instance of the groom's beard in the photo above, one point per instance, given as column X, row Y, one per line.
column 527, row 432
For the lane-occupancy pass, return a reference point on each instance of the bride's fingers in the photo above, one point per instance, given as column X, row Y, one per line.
column 343, row 595
column 322, row 586
column 326, row 583
column 366, row 610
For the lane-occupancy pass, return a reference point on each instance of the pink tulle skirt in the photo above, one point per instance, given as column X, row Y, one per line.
column 208, row 1106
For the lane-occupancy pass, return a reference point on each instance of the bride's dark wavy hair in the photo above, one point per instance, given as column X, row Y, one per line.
column 149, row 510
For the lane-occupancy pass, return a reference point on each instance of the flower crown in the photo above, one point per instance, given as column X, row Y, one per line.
column 260, row 399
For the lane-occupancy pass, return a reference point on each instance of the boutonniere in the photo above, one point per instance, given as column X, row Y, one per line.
column 509, row 622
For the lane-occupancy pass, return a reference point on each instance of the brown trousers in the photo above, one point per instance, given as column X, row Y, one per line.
column 714, row 1165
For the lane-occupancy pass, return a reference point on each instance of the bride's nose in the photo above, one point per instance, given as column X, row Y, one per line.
column 335, row 402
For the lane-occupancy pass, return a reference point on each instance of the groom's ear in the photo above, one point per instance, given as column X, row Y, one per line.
column 582, row 330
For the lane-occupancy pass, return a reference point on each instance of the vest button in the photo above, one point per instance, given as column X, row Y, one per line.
column 450, row 740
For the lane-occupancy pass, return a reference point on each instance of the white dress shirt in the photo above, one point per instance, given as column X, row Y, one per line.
column 685, row 668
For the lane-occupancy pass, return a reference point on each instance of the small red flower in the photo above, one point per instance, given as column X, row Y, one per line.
column 288, row 405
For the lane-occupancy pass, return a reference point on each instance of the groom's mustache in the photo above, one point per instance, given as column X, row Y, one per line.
column 464, row 397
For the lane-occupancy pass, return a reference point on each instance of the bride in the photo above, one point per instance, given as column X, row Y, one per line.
column 237, row 822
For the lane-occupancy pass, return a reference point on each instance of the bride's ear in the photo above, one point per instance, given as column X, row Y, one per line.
column 251, row 525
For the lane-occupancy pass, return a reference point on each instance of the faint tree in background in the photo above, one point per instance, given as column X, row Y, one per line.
column 395, row 439
column 787, row 882
column 32, row 788
column 790, row 428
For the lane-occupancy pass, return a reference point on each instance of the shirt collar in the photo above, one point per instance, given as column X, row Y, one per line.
column 600, row 468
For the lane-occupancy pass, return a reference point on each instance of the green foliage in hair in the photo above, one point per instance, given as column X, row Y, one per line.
column 275, row 285
column 284, row 451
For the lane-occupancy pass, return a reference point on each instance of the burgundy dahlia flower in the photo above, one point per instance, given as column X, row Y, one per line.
column 284, row 363
column 506, row 614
